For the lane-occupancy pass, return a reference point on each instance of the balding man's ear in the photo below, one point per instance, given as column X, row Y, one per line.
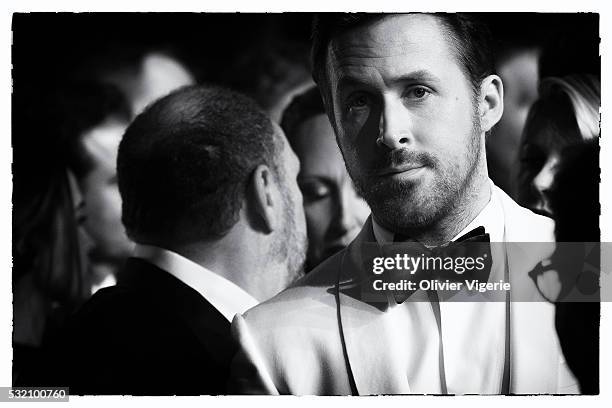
column 491, row 102
column 264, row 199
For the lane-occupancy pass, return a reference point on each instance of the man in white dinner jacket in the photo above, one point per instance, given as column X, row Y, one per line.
column 411, row 98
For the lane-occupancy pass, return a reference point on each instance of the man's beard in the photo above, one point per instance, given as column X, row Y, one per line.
column 404, row 205
column 292, row 242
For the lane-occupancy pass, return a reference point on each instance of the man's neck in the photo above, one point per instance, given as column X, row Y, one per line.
column 228, row 264
column 242, row 256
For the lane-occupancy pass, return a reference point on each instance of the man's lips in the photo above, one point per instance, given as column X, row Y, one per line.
column 406, row 168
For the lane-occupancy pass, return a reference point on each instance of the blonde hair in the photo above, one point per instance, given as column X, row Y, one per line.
column 566, row 113
column 585, row 96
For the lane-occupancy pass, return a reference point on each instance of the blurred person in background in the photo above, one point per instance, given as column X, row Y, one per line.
column 335, row 212
column 517, row 52
column 536, row 48
column 137, row 76
column 560, row 178
column 518, row 68
column 272, row 72
column 578, row 221
column 49, row 277
column 146, row 77
column 96, row 117
column 565, row 114
column 68, row 236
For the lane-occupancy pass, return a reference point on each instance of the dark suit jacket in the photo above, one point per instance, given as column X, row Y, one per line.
column 149, row 335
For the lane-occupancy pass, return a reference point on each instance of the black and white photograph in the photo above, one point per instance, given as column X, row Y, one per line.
column 306, row 204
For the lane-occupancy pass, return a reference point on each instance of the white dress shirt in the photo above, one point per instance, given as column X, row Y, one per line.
column 473, row 333
column 225, row 296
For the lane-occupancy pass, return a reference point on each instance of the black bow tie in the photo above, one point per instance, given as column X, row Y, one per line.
column 474, row 245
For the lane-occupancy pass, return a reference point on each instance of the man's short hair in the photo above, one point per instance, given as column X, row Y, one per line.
column 184, row 163
column 469, row 36
column 302, row 107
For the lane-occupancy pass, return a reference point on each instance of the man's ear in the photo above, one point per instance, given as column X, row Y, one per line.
column 265, row 199
column 491, row 102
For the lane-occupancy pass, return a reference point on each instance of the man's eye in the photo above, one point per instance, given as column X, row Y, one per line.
column 358, row 102
column 418, row 92
column 314, row 190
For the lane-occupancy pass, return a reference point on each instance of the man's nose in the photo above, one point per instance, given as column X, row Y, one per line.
column 394, row 126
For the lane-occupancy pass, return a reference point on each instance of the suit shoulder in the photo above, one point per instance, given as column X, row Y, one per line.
column 523, row 225
column 326, row 273
column 107, row 301
column 313, row 294
column 122, row 309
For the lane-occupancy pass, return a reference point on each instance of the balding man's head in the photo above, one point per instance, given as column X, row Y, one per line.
column 184, row 163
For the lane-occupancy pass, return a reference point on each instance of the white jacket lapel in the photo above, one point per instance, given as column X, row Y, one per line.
column 362, row 326
column 535, row 350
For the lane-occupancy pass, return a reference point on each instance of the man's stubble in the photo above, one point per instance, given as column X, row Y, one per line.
column 410, row 208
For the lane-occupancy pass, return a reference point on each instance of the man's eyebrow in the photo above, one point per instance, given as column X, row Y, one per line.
column 347, row 81
column 423, row 75
column 416, row 76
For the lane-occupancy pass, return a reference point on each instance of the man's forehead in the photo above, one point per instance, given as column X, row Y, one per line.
column 413, row 38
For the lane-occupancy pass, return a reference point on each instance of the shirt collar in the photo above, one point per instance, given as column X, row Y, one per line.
column 225, row 296
column 490, row 217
